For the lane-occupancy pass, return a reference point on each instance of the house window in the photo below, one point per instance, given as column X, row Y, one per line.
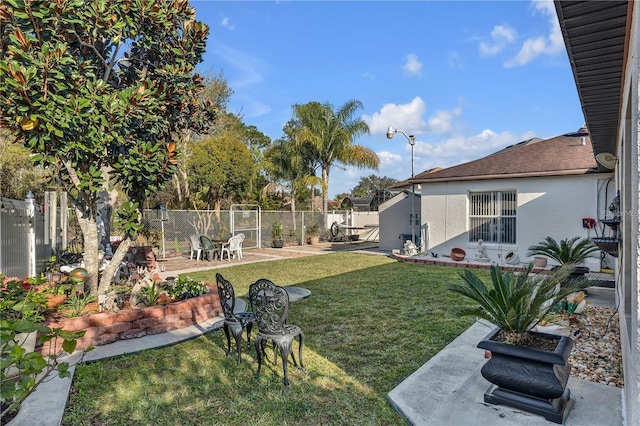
column 492, row 217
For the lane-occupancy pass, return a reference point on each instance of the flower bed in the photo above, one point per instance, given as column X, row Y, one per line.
column 441, row 261
column 107, row 327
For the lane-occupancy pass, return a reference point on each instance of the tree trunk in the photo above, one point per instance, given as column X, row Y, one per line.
column 293, row 210
column 176, row 184
column 325, row 189
column 182, row 175
column 90, row 255
column 110, row 270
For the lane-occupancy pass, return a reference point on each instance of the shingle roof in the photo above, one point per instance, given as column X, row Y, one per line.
column 398, row 186
column 561, row 155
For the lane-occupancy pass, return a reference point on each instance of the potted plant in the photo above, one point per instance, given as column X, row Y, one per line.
column 313, row 231
column 569, row 251
column 528, row 370
column 276, row 235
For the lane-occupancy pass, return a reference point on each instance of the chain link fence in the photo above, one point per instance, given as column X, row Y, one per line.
column 173, row 227
column 170, row 229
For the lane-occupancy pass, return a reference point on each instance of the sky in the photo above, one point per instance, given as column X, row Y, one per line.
column 466, row 78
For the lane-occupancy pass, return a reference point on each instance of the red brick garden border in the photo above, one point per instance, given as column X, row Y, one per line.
column 107, row 327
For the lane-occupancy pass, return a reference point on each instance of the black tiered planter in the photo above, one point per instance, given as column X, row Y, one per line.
column 530, row 379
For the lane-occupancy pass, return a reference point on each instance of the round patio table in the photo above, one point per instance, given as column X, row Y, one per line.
column 296, row 293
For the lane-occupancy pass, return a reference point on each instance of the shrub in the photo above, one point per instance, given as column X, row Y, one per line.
column 570, row 251
column 515, row 301
column 75, row 304
column 151, row 294
column 186, row 287
column 21, row 312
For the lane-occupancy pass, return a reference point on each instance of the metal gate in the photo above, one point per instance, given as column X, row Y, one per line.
column 245, row 219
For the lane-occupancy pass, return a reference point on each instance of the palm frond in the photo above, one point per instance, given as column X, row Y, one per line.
column 516, row 301
column 568, row 251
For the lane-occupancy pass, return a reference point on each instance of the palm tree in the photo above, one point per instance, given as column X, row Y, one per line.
column 290, row 167
column 570, row 251
column 331, row 135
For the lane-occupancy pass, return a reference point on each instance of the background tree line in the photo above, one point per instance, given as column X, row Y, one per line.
column 232, row 162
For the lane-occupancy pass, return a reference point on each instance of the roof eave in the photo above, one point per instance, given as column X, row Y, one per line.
column 575, row 172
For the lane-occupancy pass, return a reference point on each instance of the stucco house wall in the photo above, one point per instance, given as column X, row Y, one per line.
column 394, row 220
column 547, row 206
column 628, row 183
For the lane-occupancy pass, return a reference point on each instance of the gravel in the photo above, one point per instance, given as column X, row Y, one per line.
column 596, row 354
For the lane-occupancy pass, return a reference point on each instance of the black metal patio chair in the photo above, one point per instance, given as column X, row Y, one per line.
column 234, row 321
column 270, row 304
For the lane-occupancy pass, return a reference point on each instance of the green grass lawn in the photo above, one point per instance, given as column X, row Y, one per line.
column 370, row 322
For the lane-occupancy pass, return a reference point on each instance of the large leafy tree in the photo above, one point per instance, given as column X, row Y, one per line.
column 18, row 174
column 369, row 184
column 98, row 90
column 217, row 93
column 220, row 171
column 331, row 135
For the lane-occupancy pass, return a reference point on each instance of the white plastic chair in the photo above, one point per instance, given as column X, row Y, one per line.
column 232, row 247
column 196, row 247
column 241, row 238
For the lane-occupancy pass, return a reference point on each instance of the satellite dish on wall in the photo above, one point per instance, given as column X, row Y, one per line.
column 607, row 160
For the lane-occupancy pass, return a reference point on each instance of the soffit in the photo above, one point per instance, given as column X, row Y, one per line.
column 595, row 35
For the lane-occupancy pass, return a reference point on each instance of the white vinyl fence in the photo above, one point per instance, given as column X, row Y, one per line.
column 25, row 237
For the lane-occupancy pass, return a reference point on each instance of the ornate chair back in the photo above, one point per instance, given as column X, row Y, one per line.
column 234, row 322
column 270, row 304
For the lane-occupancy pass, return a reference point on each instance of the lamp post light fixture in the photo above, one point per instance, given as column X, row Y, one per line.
column 412, row 141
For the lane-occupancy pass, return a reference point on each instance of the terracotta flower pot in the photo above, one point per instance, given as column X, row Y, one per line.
column 55, row 300
column 457, row 254
column 540, row 262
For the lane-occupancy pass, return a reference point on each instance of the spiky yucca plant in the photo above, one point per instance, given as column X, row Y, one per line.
column 570, row 251
column 516, row 301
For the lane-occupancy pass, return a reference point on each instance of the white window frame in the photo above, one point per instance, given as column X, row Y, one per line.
column 493, row 216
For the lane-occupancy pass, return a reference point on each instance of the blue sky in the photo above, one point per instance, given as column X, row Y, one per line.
column 467, row 78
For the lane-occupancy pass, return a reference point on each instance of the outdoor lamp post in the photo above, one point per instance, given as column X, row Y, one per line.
column 412, row 141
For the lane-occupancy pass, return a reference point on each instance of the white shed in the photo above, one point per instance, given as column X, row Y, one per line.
column 395, row 220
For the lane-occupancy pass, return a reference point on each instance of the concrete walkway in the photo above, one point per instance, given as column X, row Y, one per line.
column 449, row 390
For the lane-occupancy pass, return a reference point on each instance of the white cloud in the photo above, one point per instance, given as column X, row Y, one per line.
column 501, row 36
column 248, row 71
column 253, row 108
column 413, row 66
column 460, row 149
column 441, row 122
column 551, row 44
column 225, row 22
column 408, row 117
column 367, row 76
column 455, row 60
column 248, row 67
column 388, row 159
column 448, row 152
